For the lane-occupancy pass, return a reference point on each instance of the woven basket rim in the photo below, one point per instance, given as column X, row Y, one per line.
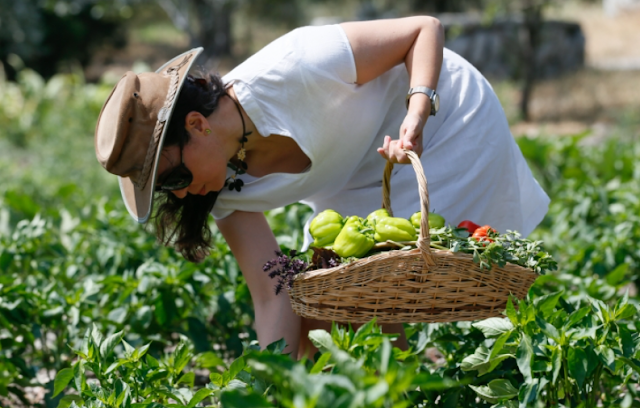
column 511, row 267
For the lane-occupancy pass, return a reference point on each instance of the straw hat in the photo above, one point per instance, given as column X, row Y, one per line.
column 132, row 126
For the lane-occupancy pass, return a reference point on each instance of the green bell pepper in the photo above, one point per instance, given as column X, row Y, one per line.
column 395, row 229
column 355, row 239
column 325, row 227
column 435, row 220
column 376, row 215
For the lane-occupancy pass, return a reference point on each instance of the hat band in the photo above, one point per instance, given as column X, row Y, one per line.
column 163, row 116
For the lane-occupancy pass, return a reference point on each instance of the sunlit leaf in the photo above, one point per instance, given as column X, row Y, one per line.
column 63, row 378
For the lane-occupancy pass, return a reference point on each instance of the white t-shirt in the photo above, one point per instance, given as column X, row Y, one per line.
column 302, row 85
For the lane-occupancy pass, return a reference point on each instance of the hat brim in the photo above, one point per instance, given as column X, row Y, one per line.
column 139, row 202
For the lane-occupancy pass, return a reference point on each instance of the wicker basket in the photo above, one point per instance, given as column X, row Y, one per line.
column 418, row 285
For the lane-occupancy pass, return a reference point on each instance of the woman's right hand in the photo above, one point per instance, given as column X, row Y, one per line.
column 410, row 139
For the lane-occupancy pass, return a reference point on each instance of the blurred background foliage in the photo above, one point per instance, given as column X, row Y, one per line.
column 70, row 257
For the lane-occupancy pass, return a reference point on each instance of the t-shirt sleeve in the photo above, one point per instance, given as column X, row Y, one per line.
column 325, row 50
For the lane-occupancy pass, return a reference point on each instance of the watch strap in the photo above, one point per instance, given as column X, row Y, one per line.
column 425, row 90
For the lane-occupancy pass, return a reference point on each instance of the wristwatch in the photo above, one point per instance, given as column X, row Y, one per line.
column 435, row 99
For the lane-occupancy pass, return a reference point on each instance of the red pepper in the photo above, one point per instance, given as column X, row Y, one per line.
column 469, row 226
column 483, row 233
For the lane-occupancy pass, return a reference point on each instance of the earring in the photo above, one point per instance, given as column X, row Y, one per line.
column 207, row 131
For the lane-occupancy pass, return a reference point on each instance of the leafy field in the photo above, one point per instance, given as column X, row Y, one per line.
column 94, row 311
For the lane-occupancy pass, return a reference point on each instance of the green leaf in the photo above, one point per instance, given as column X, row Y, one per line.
column 481, row 361
column 577, row 364
column 363, row 331
column 128, row 349
column 236, row 367
column 616, row 276
column 110, row 343
column 511, row 312
column 498, row 345
column 118, row 315
column 576, row 316
column 140, row 352
column 79, row 377
column 217, row 379
column 528, row 393
column 96, row 335
column 584, row 333
column 277, row 346
column 122, row 392
column 607, row 356
column 321, row 339
column 66, row 401
column 548, row 329
column 631, row 362
column 545, row 304
column 319, row 365
column 199, row 396
column 376, row 393
column 494, row 326
column 157, row 375
column 627, row 341
column 628, row 311
column 209, row 360
column 113, row 366
column 238, row 399
column 187, row 378
column 497, row 390
column 63, row 377
column 524, row 357
column 235, row 385
column 182, row 356
column 152, row 362
column 506, row 404
column 430, row 382
column 556, row 363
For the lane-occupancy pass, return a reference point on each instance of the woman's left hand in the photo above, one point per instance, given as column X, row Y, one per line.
column 410, row 139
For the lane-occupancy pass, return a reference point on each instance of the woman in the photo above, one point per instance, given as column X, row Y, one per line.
column 310, row 119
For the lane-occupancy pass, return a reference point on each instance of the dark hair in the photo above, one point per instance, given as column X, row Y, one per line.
column 184, row 222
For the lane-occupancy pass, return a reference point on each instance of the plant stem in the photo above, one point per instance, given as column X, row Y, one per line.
column 436, row 246
column 567, row 393
column 594, row 386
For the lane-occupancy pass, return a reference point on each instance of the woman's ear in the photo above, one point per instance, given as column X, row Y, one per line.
column 196, row 123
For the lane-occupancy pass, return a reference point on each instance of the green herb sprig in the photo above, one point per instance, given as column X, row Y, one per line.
column 509, row 247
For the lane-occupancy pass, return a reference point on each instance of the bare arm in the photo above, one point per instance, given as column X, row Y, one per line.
column 253, row 244
column 380, row 45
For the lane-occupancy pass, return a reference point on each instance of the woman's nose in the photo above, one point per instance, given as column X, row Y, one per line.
column 182, row 193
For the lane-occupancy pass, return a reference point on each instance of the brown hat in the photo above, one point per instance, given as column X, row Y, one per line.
column 132, row 126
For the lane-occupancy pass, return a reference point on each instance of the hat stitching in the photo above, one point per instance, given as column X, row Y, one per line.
column 143, row 178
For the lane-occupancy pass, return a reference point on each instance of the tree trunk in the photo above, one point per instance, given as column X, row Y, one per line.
column 533, row 29
column 214, row 23
column 206, row 22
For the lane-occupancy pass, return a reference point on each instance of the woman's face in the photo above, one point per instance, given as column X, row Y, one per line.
column 202, row 157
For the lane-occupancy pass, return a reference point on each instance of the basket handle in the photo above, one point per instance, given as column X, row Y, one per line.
column 423, row 237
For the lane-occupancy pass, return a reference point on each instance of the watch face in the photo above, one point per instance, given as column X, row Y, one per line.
column 436, row 103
